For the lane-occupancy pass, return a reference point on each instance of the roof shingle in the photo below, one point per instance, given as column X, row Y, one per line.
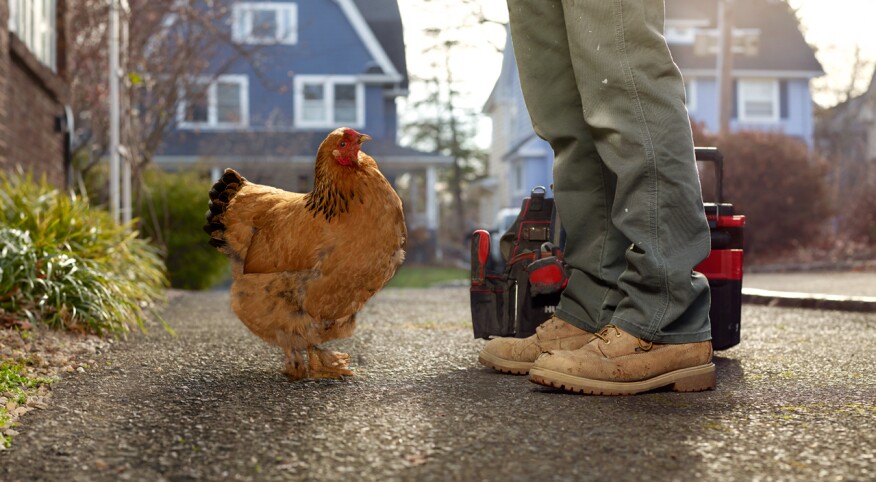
column 782, row 46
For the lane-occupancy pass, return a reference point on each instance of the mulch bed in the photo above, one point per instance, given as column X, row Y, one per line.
column 43, row 353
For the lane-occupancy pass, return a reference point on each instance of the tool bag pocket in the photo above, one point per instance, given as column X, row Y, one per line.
column 547, row 275
column 531, row 307
column 508, row 303
column 490, row 308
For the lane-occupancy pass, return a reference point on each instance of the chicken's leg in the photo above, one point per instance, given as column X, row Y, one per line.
column 295, row 367
column 327, row 364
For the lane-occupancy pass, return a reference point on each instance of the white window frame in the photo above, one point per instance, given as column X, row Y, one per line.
column 690, row 94
column 519, row 175
column 680, row 34
column 743, row 85
column 287, row 23
column 328, row 82
column 682, row 31
column 34, row 23
column 213, row 105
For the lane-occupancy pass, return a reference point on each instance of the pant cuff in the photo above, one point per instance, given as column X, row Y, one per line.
column 674, row 338
column 573, row 320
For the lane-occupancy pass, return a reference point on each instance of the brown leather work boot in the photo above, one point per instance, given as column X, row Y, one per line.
column 515, row 355
column 618, row 363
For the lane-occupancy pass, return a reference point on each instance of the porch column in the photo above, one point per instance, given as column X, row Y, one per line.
column 431, row 200
column 432, row 209
column 415, row 206
column 215, row 173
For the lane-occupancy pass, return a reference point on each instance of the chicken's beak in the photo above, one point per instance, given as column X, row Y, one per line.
column 364, row 138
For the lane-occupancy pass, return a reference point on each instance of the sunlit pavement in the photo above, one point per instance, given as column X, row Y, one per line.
column 795, row 401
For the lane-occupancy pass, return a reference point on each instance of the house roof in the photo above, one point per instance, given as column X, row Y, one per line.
column 384, row 20
column 507, row 74
column 855, row 113
column 782, row 46
column 298, row 147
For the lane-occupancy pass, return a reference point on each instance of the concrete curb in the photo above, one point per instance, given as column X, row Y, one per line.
column 816, row 301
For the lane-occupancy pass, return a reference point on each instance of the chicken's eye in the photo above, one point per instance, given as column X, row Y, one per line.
column 343, row 144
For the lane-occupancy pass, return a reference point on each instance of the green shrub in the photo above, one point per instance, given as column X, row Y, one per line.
column 778, row 184
column 70, row 266
column 172, row 211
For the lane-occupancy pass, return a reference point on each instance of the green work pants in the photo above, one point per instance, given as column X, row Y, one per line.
column 601, row 87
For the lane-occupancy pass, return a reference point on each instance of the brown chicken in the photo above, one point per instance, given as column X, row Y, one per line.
column 303, row 265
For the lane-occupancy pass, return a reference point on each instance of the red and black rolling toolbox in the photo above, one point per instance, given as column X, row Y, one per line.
column 723, row 267
column 525, row 294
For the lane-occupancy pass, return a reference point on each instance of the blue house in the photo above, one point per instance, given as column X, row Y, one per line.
column 772, row 70
column 321, row 64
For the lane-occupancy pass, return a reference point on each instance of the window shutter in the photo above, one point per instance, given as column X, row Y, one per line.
column 783, row 99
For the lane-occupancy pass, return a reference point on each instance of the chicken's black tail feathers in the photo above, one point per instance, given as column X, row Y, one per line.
column 221, row 193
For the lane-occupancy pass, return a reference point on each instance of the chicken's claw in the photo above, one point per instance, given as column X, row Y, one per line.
column 328, row 364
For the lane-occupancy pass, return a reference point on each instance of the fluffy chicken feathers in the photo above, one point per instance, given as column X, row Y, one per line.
column 303, row 265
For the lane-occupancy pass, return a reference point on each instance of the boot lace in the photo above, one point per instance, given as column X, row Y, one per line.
column 604, row 334
column 551, row 324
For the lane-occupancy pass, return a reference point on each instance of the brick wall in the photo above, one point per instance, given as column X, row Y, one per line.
column 4, row 84
column 31, row 99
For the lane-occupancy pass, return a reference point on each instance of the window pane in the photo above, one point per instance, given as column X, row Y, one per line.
column 759, row 99
column 518, row 175
column 196, row 109
column 345, row 103
column 264, row 24
column 313, row 111
column 759, row 109
column 314, row 92
column 759, row 90
column 228, row 108
column 314, row 103
column 33, row 22
column 196, row 103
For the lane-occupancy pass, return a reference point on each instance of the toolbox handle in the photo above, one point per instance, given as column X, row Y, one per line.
column 712, row 154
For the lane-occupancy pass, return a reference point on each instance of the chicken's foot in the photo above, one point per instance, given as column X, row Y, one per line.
column 327, row 364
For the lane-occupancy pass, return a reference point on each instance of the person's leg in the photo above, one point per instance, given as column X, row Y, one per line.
column 583, row 189
column 583, row 186
column 633, row 103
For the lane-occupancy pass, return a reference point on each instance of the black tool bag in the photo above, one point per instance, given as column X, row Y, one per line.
column 515, row 301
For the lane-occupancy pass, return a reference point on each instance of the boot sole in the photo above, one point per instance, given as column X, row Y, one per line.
column 693, row 379
column 505, row 366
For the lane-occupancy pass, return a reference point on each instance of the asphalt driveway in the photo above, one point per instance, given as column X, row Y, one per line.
column 796, row 400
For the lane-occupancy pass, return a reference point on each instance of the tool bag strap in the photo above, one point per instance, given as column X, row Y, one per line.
column 531, row 228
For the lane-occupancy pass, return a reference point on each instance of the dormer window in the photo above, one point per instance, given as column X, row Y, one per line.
column 265, row 23
column 682, row 31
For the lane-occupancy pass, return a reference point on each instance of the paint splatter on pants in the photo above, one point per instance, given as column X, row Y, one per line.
column 601, row 87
